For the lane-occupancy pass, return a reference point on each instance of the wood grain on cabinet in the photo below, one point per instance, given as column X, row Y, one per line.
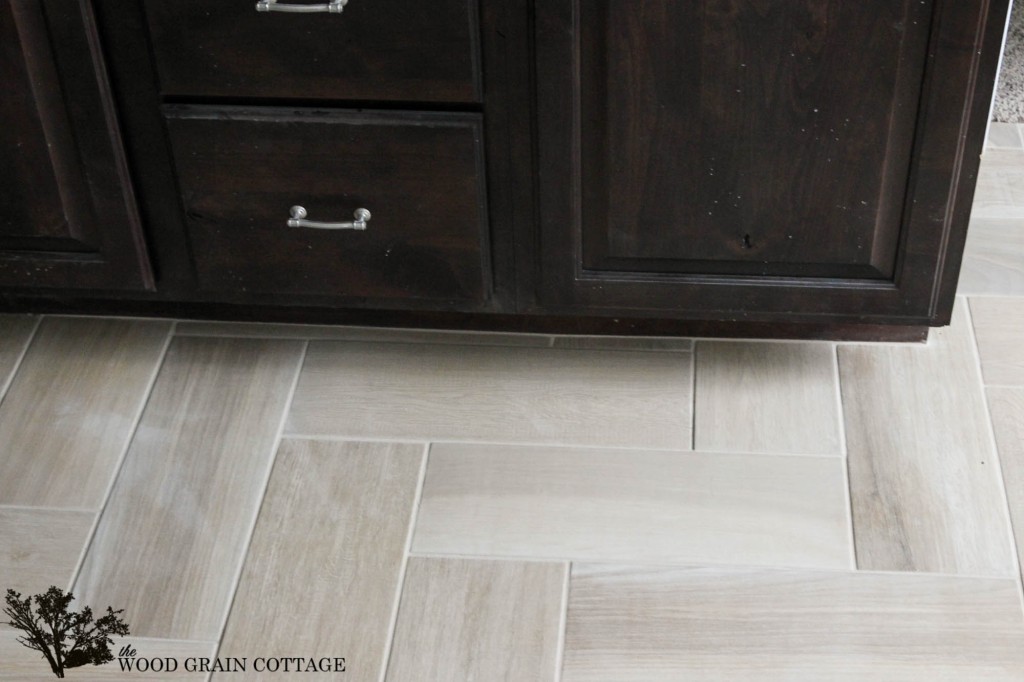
column 375, row 50
column 735, row 138
column 648, row 113
column 420, row 175
column 584, row 226
column 67, row 209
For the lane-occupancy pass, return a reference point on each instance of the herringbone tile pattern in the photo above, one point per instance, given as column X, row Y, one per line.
column 451, row 506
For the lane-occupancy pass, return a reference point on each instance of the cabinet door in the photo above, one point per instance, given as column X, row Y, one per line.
column 67, row 215
column 754, row 158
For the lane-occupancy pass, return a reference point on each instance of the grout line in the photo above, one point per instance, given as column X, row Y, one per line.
column 1006, row 504
column 563, row 619
column 31, row 508
column 499, row 558
column 400, row 586
column 457, row 338
column 991, row 433
column 891, row 344
column 845, row 447
column 102, row 316
column 811, row 342
column 711, row 565
column 332, row 438
column 136, row 420
column 165, row 640
column 556, row 446
column 244, row 555
column 693, row 398
column 21, row 357
column 248, row 327
column 742, row 339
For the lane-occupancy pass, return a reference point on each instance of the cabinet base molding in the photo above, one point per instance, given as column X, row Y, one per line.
column 477, row 322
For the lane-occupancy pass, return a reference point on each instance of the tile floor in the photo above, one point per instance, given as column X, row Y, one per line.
column 440, row 506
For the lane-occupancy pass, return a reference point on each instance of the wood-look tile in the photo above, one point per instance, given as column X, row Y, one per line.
column 532, row 395
column 994, row 258
column 465, row 620
column 999, row 329
column 325, row 562
column 170, row 540
column 367, row 334
column 15, row 333
column 607, row 505
column 668, row 624
column 923, row 481
column 766, row 397
column 650, row 343
column 40, row 547
column 1006, row 406
column 1003, row 135
column 25, row 665
column 70, row 410
column 1000, row 187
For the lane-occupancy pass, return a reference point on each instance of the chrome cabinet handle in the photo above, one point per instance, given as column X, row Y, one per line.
column 333, row 7
column 298, row 219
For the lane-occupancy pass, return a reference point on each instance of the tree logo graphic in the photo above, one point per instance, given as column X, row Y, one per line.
column 67, row 639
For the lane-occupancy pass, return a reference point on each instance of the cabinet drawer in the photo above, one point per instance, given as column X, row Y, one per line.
column 420, row 175
column 374, row 50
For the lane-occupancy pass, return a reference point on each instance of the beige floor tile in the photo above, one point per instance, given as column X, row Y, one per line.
column 170, row 541
column 999, row 328
column 322, row 573
column 924, row 486
column 367, row 334
column 462, row 620
column 1006, row 406
column 1003, row 135
column 766, row 397
column 1000, row 188
column 993, row 258
column 651, row 343
column 25, row 665
column 70, row 410
column 608, row 505
column 15, row 333
column 40, row 547
column 669, row 624
column 532, row 395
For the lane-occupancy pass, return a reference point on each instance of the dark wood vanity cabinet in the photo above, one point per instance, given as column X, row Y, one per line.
column 67, row 210
column 651, row 166
column 758, row 160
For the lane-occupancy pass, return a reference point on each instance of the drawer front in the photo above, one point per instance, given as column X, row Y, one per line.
column 374, row 50
column 420, row 175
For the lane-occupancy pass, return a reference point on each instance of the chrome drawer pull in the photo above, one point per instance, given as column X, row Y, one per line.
column 298, row 219
column 334, row 7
